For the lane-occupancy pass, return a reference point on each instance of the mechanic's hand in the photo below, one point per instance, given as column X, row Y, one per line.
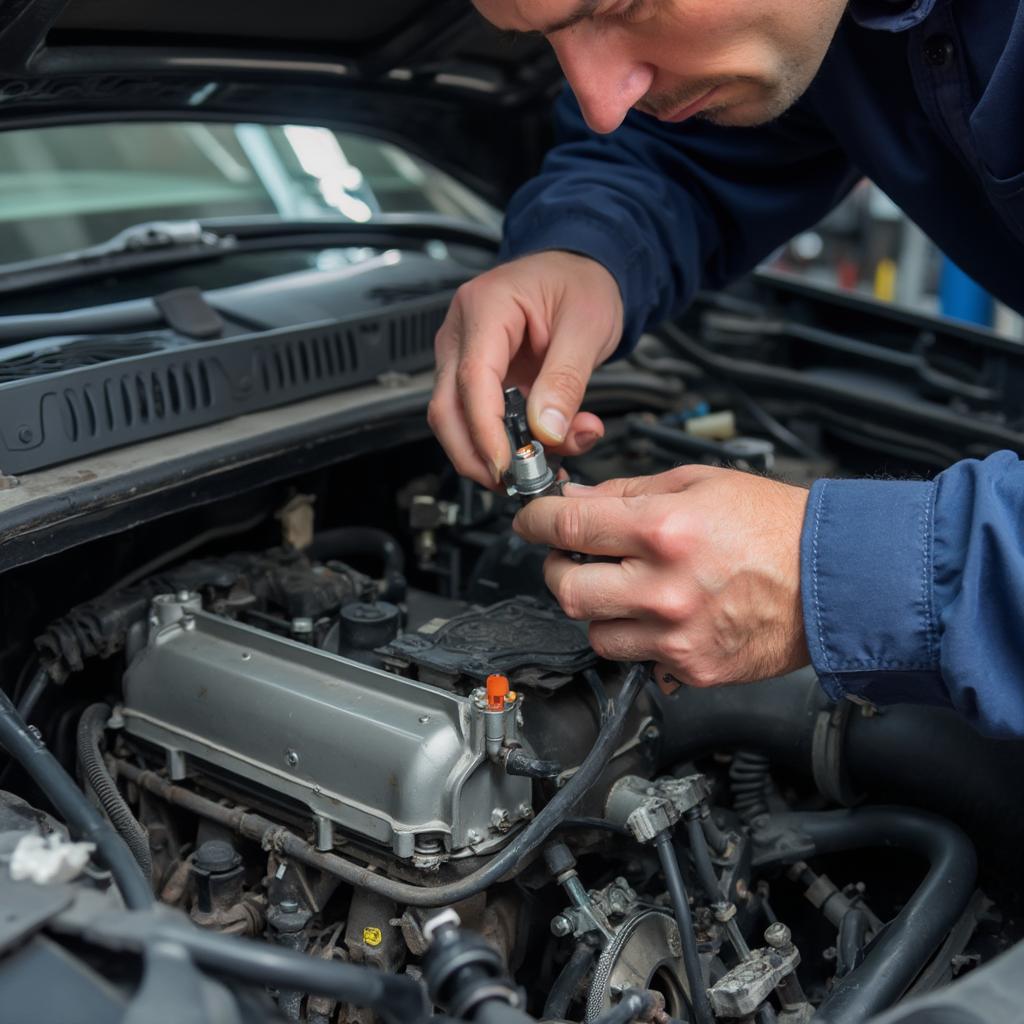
column 541, row 323
column 708, row 586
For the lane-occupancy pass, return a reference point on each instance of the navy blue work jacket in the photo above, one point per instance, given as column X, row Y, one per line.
column 912, row 591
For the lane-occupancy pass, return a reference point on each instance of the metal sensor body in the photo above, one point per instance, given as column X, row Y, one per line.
column 530, row 476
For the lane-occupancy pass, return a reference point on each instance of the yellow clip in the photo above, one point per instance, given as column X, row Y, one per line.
column 373, row 936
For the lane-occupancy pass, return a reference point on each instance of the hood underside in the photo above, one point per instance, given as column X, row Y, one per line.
column 430, row 72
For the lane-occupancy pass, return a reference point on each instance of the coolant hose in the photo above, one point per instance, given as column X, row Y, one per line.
column 94, row 771
column 346, row 541
column 71, row 804
column 900, row 952
column 907, row 754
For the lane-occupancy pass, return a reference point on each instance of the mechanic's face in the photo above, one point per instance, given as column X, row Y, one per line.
column 733, row 62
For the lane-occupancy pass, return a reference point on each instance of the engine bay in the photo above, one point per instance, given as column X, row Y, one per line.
column 339, row 717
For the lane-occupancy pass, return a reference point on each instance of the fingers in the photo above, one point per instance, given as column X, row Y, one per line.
column 449, row 425
column 599, row 527
column 598, row 590
column 671, row 482
column 558, row 391
column 585, row 431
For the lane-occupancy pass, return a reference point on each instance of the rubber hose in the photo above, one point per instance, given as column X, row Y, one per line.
column 750, row 779
column 853, row 930
column 702, row 861
column 923, row 756
column 37, row 687
column 912, row 938
column 512, row 857
column 90, row 759
column 684, row 921
column 396, row 998
column 82, row 818
column 346, row 541
column 568, row 981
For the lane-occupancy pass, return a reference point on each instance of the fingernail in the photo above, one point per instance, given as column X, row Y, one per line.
column 587, row 438
column 554, row 423
column 496, row 471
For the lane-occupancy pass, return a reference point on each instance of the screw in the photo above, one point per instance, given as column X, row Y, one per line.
column 652, row 732
column 25, row 435
column 472, row 836
column 246, row 656
column 778, row 936
column 561, row 926
column 424, row 719
column 291, row 759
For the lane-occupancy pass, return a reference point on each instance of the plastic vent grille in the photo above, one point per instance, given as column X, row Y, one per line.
column 47, row 418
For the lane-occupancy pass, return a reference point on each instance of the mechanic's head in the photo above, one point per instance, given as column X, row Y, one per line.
column 733, row 62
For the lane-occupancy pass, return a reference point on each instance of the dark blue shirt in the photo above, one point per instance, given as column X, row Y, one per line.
column 912, row 591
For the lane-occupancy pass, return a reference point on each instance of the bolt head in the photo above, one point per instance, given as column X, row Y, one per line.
column 291, row 758
column 289, row 906
column 778, row 936
column 561, row 926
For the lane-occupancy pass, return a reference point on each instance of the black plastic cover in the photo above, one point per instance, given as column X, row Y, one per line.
column 56, row 417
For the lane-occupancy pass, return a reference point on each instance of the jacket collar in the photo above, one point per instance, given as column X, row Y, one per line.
column 890, row 15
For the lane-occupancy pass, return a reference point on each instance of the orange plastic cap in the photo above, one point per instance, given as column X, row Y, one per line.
column 497, row 689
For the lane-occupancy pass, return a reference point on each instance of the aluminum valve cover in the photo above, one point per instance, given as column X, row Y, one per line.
column 395, row 761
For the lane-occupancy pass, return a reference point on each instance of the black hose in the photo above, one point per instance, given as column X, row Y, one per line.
column 717, row 839
column 94, row 771
column 346, row 541
column 925, row 757
column 912, row 938
column 853, row 931
column 37, row 687
column 568, row 982
column 750, row 780
column 396, row 998
column 512, row 857
column 687, row 936
column 702, row 860
column 82, row 818
column 601, row 823
column 632, row 1006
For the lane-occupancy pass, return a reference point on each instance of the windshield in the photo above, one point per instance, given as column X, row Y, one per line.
column 70, row 187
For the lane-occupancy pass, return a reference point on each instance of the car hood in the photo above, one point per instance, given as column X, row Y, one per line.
column 430, row 72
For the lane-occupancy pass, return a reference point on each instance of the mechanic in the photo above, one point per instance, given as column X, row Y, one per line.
column 701, row 135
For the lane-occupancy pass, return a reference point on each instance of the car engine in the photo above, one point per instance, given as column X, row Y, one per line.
column 378, row 748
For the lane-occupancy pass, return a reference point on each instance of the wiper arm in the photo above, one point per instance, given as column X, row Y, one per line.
column 154, row 242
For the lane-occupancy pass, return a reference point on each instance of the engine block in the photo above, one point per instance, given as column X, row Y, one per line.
column 388, row 759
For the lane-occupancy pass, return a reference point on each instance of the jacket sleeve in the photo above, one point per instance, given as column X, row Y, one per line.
column 668, row 209
column 914, row 591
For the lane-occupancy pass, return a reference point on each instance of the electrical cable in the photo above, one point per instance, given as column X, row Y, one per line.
column 82, row 818
column 91, row 726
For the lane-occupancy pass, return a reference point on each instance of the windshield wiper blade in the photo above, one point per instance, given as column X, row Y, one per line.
column 151, row 243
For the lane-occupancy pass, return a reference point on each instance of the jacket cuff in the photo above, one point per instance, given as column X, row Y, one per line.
column 587, row 234
column 867, row 590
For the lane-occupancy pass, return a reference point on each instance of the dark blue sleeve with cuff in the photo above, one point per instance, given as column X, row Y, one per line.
column 914, row 591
